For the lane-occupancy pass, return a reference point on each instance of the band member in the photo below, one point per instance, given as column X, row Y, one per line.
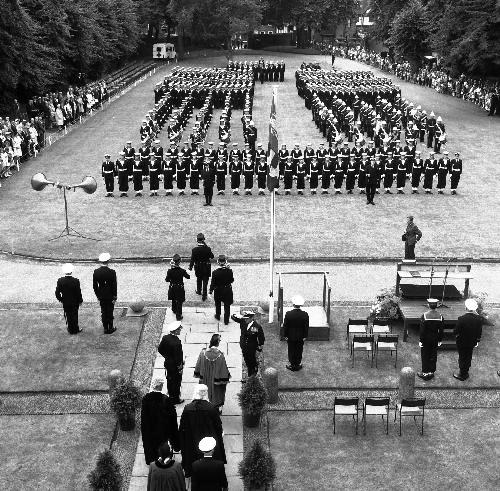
column 221, row 287
column 261, row 174
column 129, row 152
column 137, row 175
column 122, row 171
column 431, row 335
column 400, row 166
column 444, row 165
column 168, row 170
column 288, row 173
column 200, row 260
column 108, row 174
column 430, row 166
column 194, row 176
column 154, row 175
column 416, row 172
column 455, row 172
column 175, row 276
column 181, row 173
column 388, row 173
column 248, row 171
column 313, row 175
column 105, row 289
column 69, row 293
column 326, row 172
column 235, row 169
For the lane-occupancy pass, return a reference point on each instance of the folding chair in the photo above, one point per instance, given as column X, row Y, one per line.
column 346, row 406
column 362, row 343
column 387, row 342
column 410, row 407
column 356, row 326
column 376, row 406
column 381, row 326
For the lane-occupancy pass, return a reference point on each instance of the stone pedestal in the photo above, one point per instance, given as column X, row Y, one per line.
column 115, row 377
column 406, row 389
column 271, row 383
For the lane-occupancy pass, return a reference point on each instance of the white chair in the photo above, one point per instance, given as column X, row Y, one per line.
column 387, row 342
column 376, row 406
column 411, row 407
column 381, row 326
column 346, row 406
column 362, row 343
column 356, row 326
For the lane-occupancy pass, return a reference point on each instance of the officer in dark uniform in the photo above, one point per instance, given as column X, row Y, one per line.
column 431, row 335
column 108, row 174
column 208, row 176
column 372, row 171
column 200, row 260
column 171, row 349
column 251, row 339
column 105, row 289
column 68, row 292
column 221, row 287
column 295, row 330
column 455, row 172
column 175, row 276
column 122, row 171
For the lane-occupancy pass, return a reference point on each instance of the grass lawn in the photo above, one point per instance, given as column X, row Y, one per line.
column 456, row 452
column 327, row 363
column 37, row 353
column 307, row 226
column 51, row 452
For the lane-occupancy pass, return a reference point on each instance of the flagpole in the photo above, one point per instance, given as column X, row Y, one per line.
column 272, row 222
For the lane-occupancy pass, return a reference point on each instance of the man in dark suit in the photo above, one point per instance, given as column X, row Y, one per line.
column 158, row 422
column 295, row 329
column 105, row 288
column 200, row 259
column 468, row 330
column 251, row 339
column 208, row 474
column 171, row 349
column 221, row 286
column 411, row 236
column 68, row 292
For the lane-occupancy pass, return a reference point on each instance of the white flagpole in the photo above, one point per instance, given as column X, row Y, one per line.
column 271, row 240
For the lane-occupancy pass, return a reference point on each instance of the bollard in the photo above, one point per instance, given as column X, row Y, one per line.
column 115, row 378
column 406, row 388
column 271, row 384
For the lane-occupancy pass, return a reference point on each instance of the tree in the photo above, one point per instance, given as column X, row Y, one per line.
column 107, row 473
column 384, row 12
column 409, row 33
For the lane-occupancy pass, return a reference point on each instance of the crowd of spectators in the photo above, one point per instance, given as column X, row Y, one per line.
column 484, row 93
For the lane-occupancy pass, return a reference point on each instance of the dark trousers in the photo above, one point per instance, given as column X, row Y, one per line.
column 174, row 380
column 209, row 194
column 295, row 349
column 371, row 187
column 107, row 307
column 227, row 308
column 71, row 316
column 464, row 360
column 109, row 181
column 409, row 251
column 201, row 285
column 177, row 309
column 428, row 354
column 250, row 357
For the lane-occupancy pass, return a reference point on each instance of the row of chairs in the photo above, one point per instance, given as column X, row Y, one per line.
column 363, row 339
column 378, row 406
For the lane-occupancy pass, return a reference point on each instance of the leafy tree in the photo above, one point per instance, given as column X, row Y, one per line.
column 384, row 12
column 107, row 473
column 408, row 34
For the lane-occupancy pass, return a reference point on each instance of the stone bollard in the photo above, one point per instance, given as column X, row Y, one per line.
column 115, row 377
column 271, row 383
column 406, row 388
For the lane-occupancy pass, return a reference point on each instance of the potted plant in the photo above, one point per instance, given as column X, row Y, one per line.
column 107, row 473
column 386, row 306
column 252, row 400
column 482, row 307
column 125, row 399
column 258, row 468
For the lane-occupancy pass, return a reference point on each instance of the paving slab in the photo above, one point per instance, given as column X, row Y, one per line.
column 233, row 444
column 233, row 425
column 138, row 483
column 235, row 483
column 140, row 468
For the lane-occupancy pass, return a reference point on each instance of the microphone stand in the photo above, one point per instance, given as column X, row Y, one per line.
column 444, row 286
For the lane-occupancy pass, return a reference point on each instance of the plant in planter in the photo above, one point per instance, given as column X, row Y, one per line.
column 107, row 473
column 125, row 399
column 386, row 305
column 482, row 306
column 258, row 468
column 252, row 398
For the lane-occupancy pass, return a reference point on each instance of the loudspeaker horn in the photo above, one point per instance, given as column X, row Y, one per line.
column 89, row 185
column 39, row 181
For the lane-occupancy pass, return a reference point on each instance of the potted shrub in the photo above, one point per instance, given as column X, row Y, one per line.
column 252, row 400
column 107, row 473
column 386, row 306
column 125, row 399
column 258, row 468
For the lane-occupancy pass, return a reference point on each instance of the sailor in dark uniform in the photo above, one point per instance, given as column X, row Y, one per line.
column 221, row 287
column 108, row 174
column 175, row 276
column 431, row 335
